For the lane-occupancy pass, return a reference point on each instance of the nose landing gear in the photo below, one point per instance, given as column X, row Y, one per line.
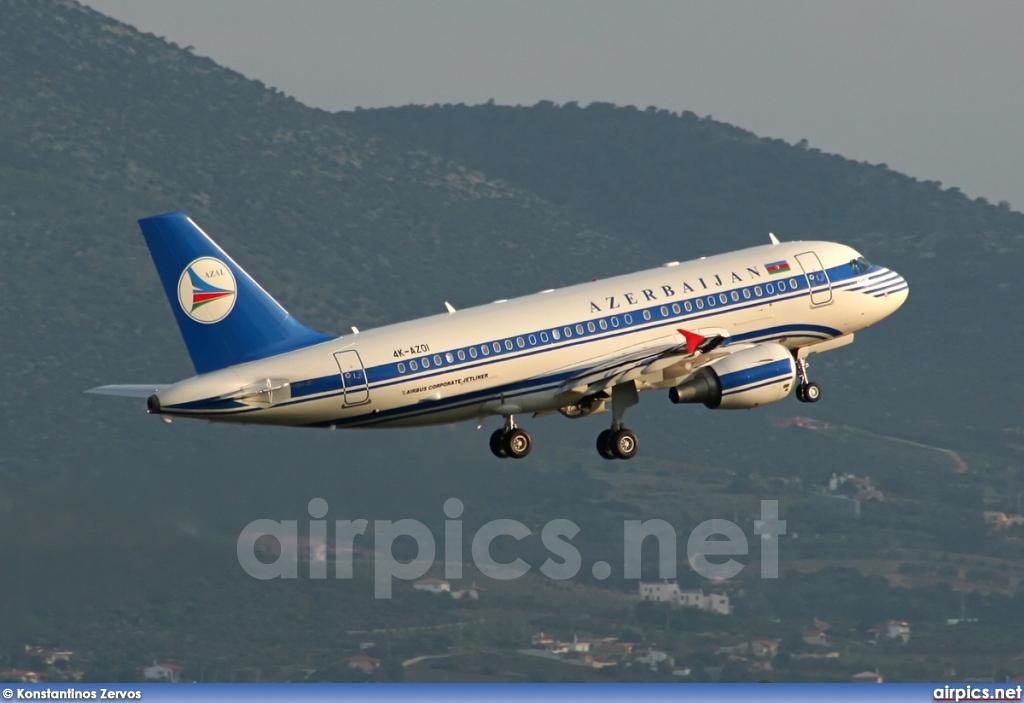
column 806, row 391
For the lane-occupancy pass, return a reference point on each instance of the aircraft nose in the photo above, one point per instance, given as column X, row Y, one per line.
column 895, row 290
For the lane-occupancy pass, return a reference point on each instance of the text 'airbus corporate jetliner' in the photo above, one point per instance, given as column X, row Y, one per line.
column 729, row 331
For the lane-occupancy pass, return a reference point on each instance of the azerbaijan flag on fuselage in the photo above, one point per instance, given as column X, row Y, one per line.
column 777, row 267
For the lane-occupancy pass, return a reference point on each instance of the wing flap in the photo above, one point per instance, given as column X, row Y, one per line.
column 697, row 349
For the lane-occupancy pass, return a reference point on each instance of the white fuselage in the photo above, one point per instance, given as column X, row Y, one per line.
column 515, row 356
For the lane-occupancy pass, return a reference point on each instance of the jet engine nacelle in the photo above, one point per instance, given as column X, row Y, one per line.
column 763, row 374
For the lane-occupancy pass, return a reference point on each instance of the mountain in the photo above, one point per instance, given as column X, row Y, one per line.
column 376, row 216
column 103, row 125
column 686, row 186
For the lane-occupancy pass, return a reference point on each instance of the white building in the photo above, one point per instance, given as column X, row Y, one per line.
column 691, row 598
column 471, row 592
column 898, row 629
column 661, row 591
column 669, row 592
column 162, row 672
column 654, row 658
column 717, row 603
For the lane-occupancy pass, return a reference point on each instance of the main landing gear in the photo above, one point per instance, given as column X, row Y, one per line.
column 617, row 442
column 511, row 442
column 806, row 391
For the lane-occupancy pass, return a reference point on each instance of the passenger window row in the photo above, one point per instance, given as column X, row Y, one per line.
column 627, row 319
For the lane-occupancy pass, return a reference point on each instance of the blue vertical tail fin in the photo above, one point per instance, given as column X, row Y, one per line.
column 225, row 317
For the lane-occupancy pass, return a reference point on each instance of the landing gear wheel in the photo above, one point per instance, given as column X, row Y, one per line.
column 497, row 445
column 604, row 445
column 624, row 444
column 812, row 392
column 517, row 443
column 807, row 391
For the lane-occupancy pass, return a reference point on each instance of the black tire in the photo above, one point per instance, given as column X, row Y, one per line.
column 498, row 445
column 800, row 393
column 517, row 443
column 624, row 444
column 604, row 445
column 812, row 392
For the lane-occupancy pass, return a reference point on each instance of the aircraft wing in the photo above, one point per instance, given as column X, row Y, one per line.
column 689, row 355
column 130, row 391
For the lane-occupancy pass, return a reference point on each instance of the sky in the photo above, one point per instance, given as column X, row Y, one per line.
column 933, row 88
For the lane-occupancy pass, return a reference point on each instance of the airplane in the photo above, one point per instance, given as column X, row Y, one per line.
column 732, row 331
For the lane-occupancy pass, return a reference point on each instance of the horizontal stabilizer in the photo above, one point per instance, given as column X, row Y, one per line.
column 130, row 391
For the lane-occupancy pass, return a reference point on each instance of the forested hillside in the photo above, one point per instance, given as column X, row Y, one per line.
column 379, row 215
column 375, row 216
column 686, row 186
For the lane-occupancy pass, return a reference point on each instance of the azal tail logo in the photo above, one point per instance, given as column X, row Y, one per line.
column 207, row 290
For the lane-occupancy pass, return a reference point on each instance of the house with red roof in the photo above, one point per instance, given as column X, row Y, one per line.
column 432, row 585
column 363, row 663
column 764, row 648
column 22, row 676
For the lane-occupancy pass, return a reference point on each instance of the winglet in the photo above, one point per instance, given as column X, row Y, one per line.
column 775, row 240
column 693, row 340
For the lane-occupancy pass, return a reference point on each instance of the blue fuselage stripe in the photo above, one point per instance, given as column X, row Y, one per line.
column 735, row 381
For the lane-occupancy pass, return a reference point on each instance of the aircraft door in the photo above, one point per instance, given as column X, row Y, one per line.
column 353, row 377
column 817, row 278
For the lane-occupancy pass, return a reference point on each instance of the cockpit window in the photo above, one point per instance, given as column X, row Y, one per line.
column 860, row 265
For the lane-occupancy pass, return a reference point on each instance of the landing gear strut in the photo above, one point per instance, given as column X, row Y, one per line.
column 617, row 442
column 510, row 441
column 806, row 391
